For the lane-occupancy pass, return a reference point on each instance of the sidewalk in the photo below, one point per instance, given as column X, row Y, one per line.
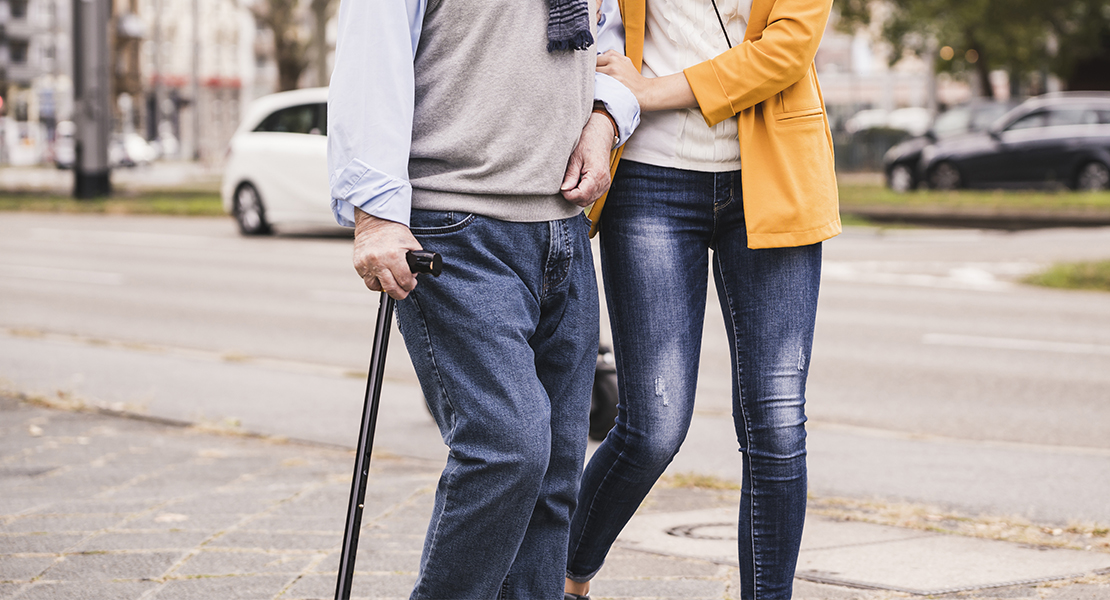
column 161, row 176
column 104, row 507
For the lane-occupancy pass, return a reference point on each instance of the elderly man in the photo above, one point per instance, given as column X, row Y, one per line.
column 478, row 129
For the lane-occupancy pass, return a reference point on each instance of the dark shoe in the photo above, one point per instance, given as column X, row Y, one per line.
column 570, row 596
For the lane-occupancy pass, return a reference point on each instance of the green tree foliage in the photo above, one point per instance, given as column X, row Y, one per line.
column 1019, row 36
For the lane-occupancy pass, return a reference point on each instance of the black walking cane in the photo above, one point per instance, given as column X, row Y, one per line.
column 420, row 261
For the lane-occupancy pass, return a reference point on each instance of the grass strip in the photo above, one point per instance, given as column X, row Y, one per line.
column 1075, row 276
column 877, row 195
column 172, row 203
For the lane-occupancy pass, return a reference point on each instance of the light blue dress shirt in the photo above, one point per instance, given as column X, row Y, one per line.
column 371, row 100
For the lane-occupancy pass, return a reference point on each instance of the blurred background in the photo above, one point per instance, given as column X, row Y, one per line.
column 182, row 72
column 960, row 381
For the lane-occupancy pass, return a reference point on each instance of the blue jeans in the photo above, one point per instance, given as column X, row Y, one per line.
column 505, row 345
column 657, row 232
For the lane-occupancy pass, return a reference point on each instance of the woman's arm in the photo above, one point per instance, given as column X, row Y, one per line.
column 758, row 69
column 653, row 93
column 740, row 77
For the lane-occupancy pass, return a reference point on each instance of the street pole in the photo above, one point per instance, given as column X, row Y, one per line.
column 156, row 114
column 196, row 79
column 5, row 12
column 93, row 118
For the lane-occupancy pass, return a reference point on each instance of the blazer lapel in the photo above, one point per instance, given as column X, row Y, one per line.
column 633, row 14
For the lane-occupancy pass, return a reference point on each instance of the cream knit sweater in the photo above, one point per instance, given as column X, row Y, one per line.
column 680, row 34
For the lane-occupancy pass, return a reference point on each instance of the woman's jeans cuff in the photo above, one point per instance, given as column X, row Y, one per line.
column 582, row 578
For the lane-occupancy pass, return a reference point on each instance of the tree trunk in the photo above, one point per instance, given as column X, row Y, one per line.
column 280, row 16
column 322, row 11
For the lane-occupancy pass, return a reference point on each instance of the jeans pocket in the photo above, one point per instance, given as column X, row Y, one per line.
column 438, row 222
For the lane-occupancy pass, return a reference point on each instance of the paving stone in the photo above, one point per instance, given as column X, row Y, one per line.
column 805, row 590
column 264, row 540
column 88, row 590
column 142, row 540
column 658, row 588
column 23, row 568
column 68, row 505
column 60, row 523
column 171, row 516
column 212, row 563
column 623, row 563
column 13, row 506
column 314, row 523
column 363, row 586
column 243, row 501
column 246, row 587
column 112, row 566
column 19, row 543
column 403, row 555
column 277, row 510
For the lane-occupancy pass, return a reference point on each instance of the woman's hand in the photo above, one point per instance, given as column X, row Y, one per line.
column 659, row 93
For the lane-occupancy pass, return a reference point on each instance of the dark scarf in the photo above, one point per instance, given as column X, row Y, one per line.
column 568, row 27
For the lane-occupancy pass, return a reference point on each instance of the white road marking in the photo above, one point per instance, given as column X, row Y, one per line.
column 122, row 238
column 64, row 275
column 973, row 341
column 949, row 275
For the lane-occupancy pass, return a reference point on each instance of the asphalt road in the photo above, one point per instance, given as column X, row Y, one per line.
column 935, row 378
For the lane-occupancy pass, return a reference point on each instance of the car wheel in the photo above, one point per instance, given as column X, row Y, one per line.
column 1093, row 177
column 901, row 178
column 249, row 211
column 945, row 176
column 603, row 401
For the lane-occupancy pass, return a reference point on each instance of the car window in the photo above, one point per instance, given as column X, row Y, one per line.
column 294, row 119
column 1029, row 121
column 952, row 122
column 1060, row 117
column 322, row 118
column 985, row 116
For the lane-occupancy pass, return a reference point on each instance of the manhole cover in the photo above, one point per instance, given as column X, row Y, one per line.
column 705, row 531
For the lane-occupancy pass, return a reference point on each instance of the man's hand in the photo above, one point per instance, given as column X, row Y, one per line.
column 587, row 176
column 380, row 247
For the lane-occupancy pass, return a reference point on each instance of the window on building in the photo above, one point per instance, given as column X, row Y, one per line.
column 18, row 9
column 17, row 53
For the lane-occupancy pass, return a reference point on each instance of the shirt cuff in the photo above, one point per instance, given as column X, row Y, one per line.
column 620, row 102
column 374, row 192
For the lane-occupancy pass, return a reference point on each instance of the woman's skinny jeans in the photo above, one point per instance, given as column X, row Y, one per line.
column 659, row 228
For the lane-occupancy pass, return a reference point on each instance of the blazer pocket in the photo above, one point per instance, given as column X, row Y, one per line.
column 800, row 117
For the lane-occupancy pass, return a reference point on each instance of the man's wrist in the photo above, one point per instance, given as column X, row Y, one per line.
column 599, row 108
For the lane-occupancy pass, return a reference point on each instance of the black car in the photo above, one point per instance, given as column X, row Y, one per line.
column 1047, row 140
column 900, row 164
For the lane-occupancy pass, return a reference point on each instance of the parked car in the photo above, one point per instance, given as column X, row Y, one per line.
column 900, row 164
column 136, row 150
column 277, row 164
column 65, row 145
column 124, row 150
column 1048, row 140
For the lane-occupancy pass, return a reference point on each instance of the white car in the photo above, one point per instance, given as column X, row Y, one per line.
column 277, row 165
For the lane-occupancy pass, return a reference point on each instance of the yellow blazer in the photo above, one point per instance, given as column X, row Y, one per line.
column 770, row 83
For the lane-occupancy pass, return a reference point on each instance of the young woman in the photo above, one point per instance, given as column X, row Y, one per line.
column 723, row 84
